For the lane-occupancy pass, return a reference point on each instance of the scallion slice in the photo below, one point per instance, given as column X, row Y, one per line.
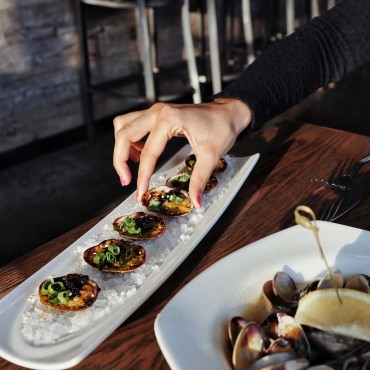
column 110, row 258
column 45, row 286
column 114, row 249
column 99, row 259
column 56, row 287
column 63, row 297
column 53, row 298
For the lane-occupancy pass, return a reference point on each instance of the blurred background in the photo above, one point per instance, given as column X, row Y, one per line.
column 67, row 68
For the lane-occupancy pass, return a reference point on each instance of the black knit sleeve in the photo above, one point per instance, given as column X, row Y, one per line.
column 321, row 51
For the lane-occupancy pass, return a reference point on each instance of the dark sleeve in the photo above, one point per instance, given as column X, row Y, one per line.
column 320, row 52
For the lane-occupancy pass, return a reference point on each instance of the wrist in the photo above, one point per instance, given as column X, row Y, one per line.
column 238, row 112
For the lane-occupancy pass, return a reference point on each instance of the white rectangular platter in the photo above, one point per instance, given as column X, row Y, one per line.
column 233, row 287
column 37, row 337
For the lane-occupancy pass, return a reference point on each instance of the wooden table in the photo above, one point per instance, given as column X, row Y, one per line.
column 291, row 156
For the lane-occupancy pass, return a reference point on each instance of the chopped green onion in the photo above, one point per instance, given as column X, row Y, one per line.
column 184, row 177
column 129, row 222
column 126, row 257
column 114, row 249
column 130, row 226
column 110, row 258
column 99, row 259
column 154, row 205
column 45, row 286
column 192, row 162
column 176, row 199
column 56, row 287
column 53, row 298
column 63, row 297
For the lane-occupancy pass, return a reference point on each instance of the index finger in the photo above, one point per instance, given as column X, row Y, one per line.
column 127, row 143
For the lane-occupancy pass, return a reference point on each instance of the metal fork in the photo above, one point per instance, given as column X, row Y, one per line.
column 330, row 214
column 344, row 182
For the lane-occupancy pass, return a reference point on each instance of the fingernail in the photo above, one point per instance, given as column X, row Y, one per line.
column 137, row 196
column 199, row 200
column 123, row 181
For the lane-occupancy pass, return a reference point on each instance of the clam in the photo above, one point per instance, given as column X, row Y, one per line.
column 326, row 281
column 115, row 255
column 358, row 282
column 220, row 167
column 286, row 334
column 289, row 328
column 182, row 180
column 140, row 226
column 248, row 346
column 284, row 287
column 274, row 301
column 72, row 292
column 236, row 324
column 167, row 201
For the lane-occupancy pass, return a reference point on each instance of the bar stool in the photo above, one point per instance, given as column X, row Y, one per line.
column 214, row 51
column 290, row 12
column 144, row 9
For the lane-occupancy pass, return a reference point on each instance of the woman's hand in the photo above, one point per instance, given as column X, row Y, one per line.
column 211, row 129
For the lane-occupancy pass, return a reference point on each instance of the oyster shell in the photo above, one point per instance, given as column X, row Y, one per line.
column 115, row 255
column 167, row 201
column 220, row 167
column 182, row 180
column 72, row 292
column 140, row 226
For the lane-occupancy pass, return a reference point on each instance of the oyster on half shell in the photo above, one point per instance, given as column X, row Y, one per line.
column 182, row 181
column 167, row 201
column 140, row 226
column 72, row 292
column 220, row 167
column 115, row 255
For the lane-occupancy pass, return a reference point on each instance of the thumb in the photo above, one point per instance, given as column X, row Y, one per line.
column 202, row 171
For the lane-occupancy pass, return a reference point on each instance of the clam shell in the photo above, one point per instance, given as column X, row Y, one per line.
column 211, row 184
column 87, row 296
column 220, row 167
column 137, row 251
column 167, row 207
column 157, row 231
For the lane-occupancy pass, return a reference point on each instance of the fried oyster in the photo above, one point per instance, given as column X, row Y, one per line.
column 140, row 226
column 115, row 255
column 72, row 292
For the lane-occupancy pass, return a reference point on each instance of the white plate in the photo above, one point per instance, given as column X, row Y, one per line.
column 125, row 293
column 192, row 328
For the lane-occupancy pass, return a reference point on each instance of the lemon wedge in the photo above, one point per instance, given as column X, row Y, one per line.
column 322, row 310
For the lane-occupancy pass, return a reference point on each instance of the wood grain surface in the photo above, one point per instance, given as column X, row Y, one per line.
column 292, row 155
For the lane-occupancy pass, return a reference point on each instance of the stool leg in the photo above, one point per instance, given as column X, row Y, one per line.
column 290, row 17
column 190, row 55
column 213, row 47
column 248, row 30
column 331, row 3
column 144, row 46
column 314, row 8
column 87, row 103
column 152, row 38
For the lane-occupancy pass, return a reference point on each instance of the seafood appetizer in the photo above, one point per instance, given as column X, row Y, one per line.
column 115, row 255
column 167, row 201
column 182, row 180
column 297, row 334
column 220, row 167
column 72, row 292
column 139, row 225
